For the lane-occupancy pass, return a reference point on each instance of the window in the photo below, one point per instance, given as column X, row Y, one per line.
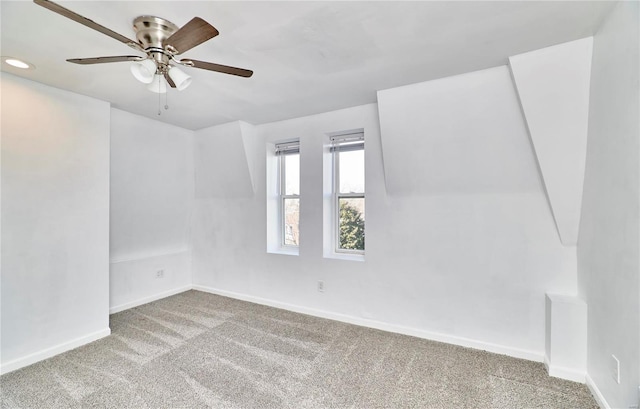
column 348, row 192
column 288, row 155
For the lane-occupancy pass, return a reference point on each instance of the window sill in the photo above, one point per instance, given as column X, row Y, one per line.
column 292, row 251
column 345, row 256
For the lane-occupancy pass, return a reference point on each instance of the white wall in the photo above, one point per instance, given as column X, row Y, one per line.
column 553, row 86
column 151, row 191
column 216, row 145
column 463, row 251
column 55, row 214
column 133, row 282
column 608, row 245
column 461, row 134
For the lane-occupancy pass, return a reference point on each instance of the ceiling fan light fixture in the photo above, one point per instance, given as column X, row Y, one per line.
column 158, row 85
column 180, row 78
column 144, row 70
column 159, row 39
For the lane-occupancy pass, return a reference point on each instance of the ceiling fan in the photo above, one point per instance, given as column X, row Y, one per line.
column 161, row 41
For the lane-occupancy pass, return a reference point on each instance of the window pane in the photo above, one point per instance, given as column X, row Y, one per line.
column 291, row 222
column 351, row 171
column 351, row 223
column 292, row 174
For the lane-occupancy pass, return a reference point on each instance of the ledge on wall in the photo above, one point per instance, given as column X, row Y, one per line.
column 143, row 278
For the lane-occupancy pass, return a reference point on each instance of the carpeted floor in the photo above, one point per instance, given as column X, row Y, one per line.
column 197, row 350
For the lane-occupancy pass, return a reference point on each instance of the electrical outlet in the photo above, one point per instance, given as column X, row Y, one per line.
column 160, row 274
column 615, row 369
column 321, row 286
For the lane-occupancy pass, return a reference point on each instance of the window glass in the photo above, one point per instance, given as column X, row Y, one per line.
column 291, row 221
column 292, row 174
column 351, row 223
column 283, row 198
column 351, row 171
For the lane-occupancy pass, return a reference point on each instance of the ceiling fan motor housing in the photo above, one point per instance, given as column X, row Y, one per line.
column 151, row 32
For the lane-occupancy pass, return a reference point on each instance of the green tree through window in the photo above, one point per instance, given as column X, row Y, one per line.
column 351, row 227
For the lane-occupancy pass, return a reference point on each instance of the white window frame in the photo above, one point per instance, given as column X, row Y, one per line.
column 282, row 150
column 356, row 140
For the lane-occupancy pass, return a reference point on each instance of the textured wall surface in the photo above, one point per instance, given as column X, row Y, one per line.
column 609, row 246
column 55, row 218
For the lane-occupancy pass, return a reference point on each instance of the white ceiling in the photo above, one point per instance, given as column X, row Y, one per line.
column 308, row 57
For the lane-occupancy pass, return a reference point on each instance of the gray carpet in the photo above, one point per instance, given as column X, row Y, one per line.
column 197, row 350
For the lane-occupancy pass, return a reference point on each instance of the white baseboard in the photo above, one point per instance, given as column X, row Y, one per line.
column 52, row 351
column 602, row 402
column 564, row 373
column 450, row 339
column 433, row 336
column 146, row 300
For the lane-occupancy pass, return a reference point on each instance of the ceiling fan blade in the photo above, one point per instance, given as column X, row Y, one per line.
column 240, row 72
column 102, row 60
column 56, row 8
column 195, row 32
column 169, row 80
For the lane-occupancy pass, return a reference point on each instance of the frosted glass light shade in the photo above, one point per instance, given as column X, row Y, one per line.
column 179, row 78
column 158, row 85
column 144, row 70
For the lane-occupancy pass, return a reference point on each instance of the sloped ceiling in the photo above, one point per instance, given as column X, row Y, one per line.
column 308, row 57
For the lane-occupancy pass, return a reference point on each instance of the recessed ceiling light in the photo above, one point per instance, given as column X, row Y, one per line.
column 14, row 62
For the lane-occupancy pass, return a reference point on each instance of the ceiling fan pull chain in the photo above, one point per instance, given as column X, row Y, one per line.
column 159, row 100
column 166, row 101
